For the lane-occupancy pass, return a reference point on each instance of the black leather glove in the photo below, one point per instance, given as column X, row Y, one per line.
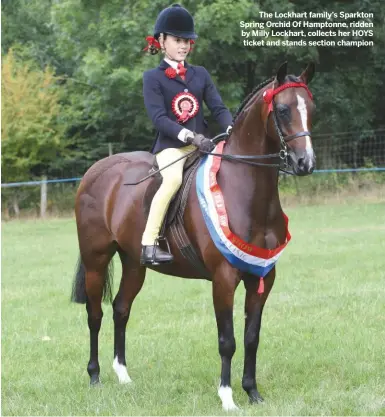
column 204, row 144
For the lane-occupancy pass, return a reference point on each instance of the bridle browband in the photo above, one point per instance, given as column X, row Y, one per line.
column 268, row 97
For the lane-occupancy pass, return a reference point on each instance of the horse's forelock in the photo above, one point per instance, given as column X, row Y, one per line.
column 292, row 79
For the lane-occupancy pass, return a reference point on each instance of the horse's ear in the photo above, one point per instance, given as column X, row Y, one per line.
column 307, row 75
column 281, row 73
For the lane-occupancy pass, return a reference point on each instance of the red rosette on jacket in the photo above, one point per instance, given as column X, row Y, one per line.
column 170, row 72
column 185, row 106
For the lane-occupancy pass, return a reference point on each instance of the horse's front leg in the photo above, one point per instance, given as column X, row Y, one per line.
column 225, row 282
column 254, row 304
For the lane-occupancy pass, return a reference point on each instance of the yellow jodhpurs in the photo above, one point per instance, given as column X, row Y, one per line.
column 172, row 180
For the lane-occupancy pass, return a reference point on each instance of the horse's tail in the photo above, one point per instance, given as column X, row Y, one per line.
column 79, row 294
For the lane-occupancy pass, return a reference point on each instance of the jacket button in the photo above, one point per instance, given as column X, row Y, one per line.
column 185, row 90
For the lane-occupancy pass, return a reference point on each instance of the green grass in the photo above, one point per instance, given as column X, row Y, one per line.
column 322, row 349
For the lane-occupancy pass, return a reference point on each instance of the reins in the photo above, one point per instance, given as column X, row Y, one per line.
column 216, row 139
column 247, row 159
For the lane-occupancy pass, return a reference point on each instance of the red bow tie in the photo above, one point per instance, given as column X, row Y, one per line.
column 181, row 70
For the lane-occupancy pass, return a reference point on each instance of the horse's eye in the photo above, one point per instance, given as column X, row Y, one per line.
column 283, row 112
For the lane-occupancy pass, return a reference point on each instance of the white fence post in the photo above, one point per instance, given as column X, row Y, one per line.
column 109, row 148
column 43, row 197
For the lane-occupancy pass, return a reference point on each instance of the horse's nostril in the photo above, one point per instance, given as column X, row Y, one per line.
column 301, row 163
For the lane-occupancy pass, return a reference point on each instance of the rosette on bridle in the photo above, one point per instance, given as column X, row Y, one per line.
column 269, row 94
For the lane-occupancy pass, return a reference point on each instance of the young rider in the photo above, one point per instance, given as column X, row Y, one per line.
column 173, row 96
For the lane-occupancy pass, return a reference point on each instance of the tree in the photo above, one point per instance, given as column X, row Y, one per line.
column 31, row 128
column 96, row 47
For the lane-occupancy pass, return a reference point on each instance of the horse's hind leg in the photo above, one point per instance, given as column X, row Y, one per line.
column 133, row 276
column 94, row 287
column 95, row 281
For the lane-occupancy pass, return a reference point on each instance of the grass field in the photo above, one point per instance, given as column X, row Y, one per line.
column 322, row 349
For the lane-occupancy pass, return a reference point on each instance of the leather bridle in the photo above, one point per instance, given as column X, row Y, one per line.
column 268, row 97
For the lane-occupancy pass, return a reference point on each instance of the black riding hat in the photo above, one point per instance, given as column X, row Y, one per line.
column 177, row 21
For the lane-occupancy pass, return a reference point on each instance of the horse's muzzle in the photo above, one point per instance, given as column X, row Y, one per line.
column 303, row 162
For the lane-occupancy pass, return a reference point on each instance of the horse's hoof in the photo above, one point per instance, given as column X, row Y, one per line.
column 255, row 397
column 226, row 395
column 95, row 381
column 230, row 407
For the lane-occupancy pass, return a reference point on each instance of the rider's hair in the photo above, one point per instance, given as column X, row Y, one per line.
column 152, row 49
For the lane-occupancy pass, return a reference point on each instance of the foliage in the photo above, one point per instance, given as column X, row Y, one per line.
column 94, row 50
column 31, row 129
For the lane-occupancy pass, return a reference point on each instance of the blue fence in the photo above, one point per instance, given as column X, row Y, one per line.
column 339, row 152
column 57, row 181
column 347, row 159
column 63, row 180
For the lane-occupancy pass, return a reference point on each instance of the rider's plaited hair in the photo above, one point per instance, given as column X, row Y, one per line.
column 152, row 49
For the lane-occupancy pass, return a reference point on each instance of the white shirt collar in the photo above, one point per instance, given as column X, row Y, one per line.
column 173, row 64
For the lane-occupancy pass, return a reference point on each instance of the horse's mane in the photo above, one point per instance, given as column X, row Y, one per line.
column 249, row 97
column 255, row 90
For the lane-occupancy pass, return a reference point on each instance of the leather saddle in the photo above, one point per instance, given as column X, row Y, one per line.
column 173, row 219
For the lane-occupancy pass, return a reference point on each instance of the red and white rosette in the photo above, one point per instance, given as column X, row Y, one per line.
column 185, row 106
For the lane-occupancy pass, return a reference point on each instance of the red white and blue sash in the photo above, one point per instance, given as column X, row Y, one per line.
column 242, row 255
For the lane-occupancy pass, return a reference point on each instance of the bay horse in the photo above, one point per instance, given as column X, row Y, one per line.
column 274, row 120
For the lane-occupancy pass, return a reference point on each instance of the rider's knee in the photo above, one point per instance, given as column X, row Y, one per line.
column 173, row 182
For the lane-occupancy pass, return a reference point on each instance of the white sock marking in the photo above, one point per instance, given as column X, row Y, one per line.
column 226, row 395
column 121, row 371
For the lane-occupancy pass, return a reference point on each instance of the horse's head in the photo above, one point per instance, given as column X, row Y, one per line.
column 287, row 117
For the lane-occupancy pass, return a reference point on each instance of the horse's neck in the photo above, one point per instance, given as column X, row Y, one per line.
column 250, row 192
column 249, row 135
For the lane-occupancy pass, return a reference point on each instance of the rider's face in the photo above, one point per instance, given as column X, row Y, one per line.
column 176, row 48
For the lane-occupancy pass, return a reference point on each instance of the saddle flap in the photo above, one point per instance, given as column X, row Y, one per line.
column 180, row 198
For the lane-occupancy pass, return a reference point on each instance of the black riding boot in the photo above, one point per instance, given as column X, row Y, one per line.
column 154, row 255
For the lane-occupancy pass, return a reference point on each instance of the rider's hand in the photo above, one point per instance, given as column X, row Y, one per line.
column 204, row 144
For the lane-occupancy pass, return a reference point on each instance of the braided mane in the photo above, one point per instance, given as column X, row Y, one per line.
column 249, row 96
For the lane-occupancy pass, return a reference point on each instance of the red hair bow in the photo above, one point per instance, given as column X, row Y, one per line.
column 151, row 42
